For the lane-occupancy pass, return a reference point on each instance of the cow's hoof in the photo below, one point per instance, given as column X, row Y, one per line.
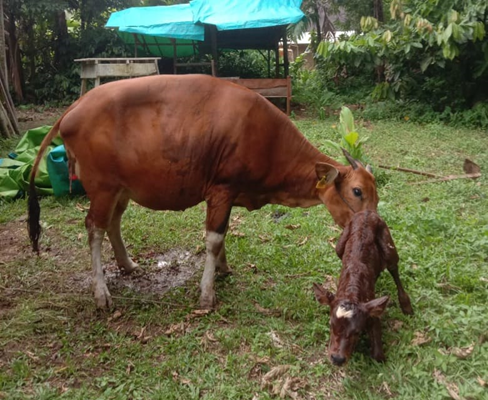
column 208, row 302
column 103, row 299
column 128, row 267
column 379, row 357
column 224, row 273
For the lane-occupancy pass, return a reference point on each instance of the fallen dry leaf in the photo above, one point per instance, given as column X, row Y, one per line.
column 198, row 313
column 175, row 328
column 274, row 374
column 277, row 342
column 266, row 311
column 264, row 239
column 451, row 387
column 302, row 242
column 481, row 381
column 115, row 316
column 237, row 234
column 395, row 325
column 463, row 352
column 292, row 227
column 460, row 352
column 420, row 339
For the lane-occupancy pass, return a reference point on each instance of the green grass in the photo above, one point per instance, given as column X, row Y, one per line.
column 54, row 344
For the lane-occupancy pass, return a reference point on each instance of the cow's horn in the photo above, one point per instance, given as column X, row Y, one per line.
column 349, row 158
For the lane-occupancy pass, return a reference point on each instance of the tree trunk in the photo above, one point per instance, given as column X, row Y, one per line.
column 62, row 39
column 14, row 61
column 378, row 10
column 3, row 58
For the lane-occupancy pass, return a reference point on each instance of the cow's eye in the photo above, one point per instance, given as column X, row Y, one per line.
column 357, row 192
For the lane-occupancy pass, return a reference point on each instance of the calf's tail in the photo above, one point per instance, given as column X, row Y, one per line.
column 33, row 208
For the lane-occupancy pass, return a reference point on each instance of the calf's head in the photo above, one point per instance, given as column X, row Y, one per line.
column 347, row 321
column 346, row 190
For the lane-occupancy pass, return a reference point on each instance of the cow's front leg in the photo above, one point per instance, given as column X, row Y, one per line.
column 218, row 211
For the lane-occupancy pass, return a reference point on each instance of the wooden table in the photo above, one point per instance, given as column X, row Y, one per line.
column 96, row 68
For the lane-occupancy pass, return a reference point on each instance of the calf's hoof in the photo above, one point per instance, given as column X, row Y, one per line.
column 103, row 299
column 406, row 306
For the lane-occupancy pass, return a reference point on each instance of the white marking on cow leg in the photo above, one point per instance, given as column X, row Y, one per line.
column 102, row 295
column 214, row 242
column 123, row 260
column 343, row 313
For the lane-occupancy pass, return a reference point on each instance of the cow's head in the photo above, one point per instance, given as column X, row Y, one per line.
column 346, row 190
column 347, row 321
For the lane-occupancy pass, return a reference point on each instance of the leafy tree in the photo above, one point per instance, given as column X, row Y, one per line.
column 429, row 49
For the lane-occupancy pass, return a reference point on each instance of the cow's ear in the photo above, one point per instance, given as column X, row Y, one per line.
column 376, row 307
column 326, row 174
column 323, row 296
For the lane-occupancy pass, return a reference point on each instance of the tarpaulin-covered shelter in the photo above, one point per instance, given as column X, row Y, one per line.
column 207, row 26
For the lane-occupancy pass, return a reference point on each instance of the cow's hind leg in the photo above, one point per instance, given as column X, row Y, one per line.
column 97, row 221
column 222, row 267
column 113, row 231
column 218, row 211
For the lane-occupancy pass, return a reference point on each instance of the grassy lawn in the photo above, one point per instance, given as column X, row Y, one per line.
column 54, row 344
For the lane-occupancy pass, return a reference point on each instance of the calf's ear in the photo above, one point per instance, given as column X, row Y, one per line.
column 376, row 307
column 323, row 296
column 326, row 174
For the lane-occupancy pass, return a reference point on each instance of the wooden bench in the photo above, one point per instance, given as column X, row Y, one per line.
column 269, row 88
column 96, row 68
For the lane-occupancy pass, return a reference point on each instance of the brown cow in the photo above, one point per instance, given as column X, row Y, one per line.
column 170, row 142
column 366, row 248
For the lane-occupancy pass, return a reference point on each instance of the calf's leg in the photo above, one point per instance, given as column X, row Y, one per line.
column 113, row 231
column 391, row 259
column 403, row 297
column 374, row 332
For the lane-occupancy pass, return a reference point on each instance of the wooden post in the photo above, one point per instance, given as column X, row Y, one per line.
column 215, row 54
column 285, row 53
column 277, row 61
column 175, row 54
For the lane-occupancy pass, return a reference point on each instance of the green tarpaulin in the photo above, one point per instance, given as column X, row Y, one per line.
column 15, row 170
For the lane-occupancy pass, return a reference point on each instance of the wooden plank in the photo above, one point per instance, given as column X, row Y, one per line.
column 117, row 70
column 130, row 59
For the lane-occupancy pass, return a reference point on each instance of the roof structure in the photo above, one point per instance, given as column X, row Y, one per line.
column 205, row 26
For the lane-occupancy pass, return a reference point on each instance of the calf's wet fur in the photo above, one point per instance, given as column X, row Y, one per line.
column 366, row 248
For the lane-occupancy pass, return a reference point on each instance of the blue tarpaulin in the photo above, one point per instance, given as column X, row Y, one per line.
column 185, row 21
column 239, row 14
column 161, row 21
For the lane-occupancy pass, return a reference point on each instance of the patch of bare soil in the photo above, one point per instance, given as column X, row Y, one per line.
column 13, row 241
column 70, row 270
column 163, row 272
column 35, row 117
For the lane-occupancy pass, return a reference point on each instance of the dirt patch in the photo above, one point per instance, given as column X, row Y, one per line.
column 35, row 117
column 161, row 273
column 13, row 241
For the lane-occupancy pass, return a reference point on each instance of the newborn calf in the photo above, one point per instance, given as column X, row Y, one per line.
column 366, row 248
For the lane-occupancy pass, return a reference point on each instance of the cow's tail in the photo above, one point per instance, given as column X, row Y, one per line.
column 34, row 209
